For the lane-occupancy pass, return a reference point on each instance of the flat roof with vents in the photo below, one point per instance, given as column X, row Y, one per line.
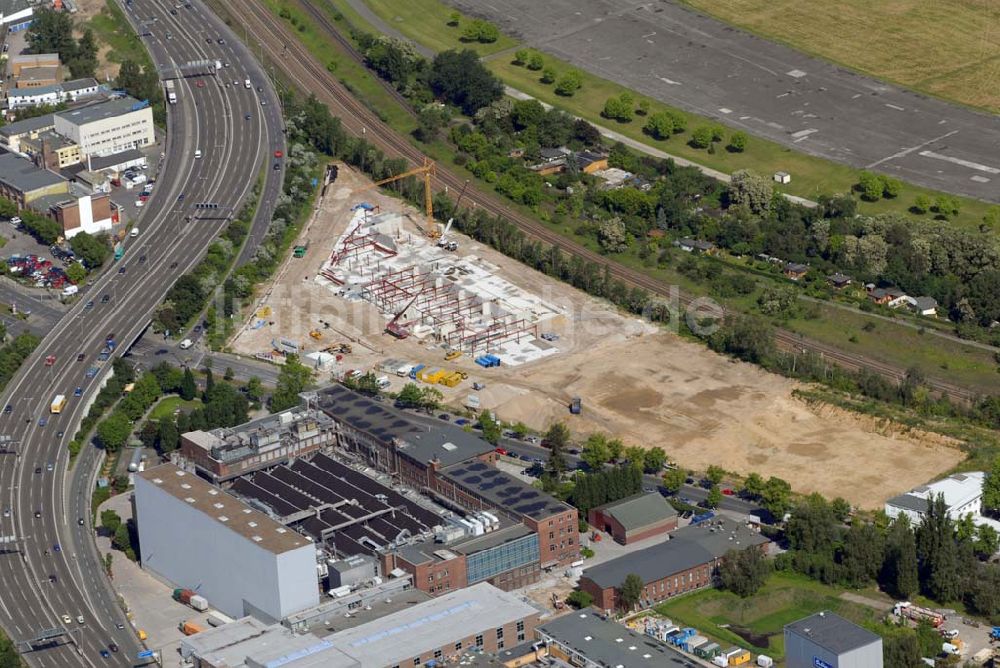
column 607, row 643
column 225, row 509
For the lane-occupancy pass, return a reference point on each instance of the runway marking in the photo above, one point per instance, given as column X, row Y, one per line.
column 798, row 74
column 958, row 161
column 895, row 106
column 803, row 134
column 786, row 94
column 907, row 151
column 646, row 37
column 670, row 81
column 979, row 179
column 854, row 97
column 723, row 110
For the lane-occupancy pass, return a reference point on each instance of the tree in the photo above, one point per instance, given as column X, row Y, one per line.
column 619, row 108
column 701, row 137
column 938, row 553
column 595, row 452
column 491, row 430
column 454, row 19
column 536, row 62
column 75, row 273
column 461, row 79
column 737, row 142
column 946, row 205
column 521, row 57
column 580, row 599
column 188, row 387
column 654, row 459
column 110, row 521
column 52, row 32
column 557, row 436
column 169, row 438
column 615, row 449
column 83, row 62
column 715, row 474
column 778, row 300
column 987, row 541
column 745, row 337
column 113, row 431
column 862, row 554
column 870, row 185
column 482, row 31
column 293, row 379
column 569, row 83
column 841, row 508
column 612, row 236
column 983, row 295
column 674, row 479
column 921, row 205
column 745, row 571
column 659, row 125
column 751, row 190
column 899, row 569
column 410, row 396
column 776, row 496
column 900, row 649
column 630, row 592
column 753, row 486
column 714, row 497
column 254, row 389
column 548, row 75
column 891, row 187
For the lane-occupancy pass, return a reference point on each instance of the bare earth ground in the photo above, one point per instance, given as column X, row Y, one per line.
column 649, row 387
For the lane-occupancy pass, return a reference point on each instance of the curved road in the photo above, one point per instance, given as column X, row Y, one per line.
column 37, row 583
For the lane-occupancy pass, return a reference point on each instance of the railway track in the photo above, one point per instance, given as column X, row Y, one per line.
column 284, row 49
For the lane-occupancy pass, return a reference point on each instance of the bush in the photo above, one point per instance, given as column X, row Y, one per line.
column 569, row 84
column 480, row 31
column 737, row 142
column 520, row 57
column 548, row 75
column 702, row 137
column 536, row 62
column 659, row 126
column 580, row 599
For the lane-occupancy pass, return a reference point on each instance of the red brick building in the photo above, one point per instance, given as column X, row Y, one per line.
column 688, row 561
column 634, row 518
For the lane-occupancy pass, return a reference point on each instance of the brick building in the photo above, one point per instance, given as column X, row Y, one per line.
column 688, row 561
column 634, row 518
column 222, row 454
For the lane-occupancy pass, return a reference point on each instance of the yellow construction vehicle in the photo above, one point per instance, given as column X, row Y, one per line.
column 453, row 355
column 316, row 334
column 427, row 170
column 343, row 348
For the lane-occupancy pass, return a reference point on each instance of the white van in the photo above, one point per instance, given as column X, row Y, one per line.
column 247, row 84
column 70, row 290
column 186, row 343
column 197, row 154
column 134, row 233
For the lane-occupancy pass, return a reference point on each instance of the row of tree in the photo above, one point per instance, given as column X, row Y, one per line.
column 604, row 486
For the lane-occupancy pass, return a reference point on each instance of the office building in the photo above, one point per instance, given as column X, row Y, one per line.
column 108, row 127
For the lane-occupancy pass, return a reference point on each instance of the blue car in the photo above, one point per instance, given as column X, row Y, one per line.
column 461, row 422
column 78, row 392
column 42, row 421
column 91, row 372
column 105, row 653
column 57, row 548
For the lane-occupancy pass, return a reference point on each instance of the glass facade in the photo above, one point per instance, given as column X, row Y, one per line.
column 495, row 560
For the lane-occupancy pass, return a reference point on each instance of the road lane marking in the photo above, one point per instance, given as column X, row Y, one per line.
column 907, row 151
column 958, row 161
column 895, row 106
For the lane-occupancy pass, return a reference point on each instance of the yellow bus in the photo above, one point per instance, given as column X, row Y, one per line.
column 58, row 403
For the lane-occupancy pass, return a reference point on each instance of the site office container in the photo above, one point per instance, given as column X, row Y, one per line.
column 708, row 651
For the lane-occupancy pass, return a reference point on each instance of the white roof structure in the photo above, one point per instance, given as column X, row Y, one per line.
column 425, row 627
column 962, row 494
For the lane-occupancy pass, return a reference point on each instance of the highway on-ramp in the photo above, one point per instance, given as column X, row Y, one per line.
column 43, row 508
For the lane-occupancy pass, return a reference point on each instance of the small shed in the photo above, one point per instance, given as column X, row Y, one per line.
column 782, row 177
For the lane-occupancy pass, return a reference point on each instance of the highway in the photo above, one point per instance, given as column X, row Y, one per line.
column 38, row 582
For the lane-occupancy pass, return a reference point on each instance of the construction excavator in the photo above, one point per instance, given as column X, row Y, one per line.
column 427, row 170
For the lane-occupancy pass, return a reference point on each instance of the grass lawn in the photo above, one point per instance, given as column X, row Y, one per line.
column 426, row 22
column 112, row 28
column 785, row 598
column 811, row 176
column 358, row 79
column 164, row 409
column 950, row 49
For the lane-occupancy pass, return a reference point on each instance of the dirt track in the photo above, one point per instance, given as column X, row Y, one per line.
column 647, row 386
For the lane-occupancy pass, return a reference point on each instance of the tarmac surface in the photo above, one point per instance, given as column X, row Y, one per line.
column 688, row 60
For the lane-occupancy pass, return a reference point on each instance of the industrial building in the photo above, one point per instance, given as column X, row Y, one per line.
column 15, row 15
column 22, row 182
column 686, row 562
column 16, row 64
column 225, row 453
column 962, row 493
column 826, row 640
column 480, row 617
column 196, row 536
column 634, row 518
column 12, row 134
column 585, row 638
column 51, row 151
column 109, row 127
column 429, row 293
column 57, row 93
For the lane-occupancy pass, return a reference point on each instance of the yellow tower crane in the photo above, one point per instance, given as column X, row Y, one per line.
column 427, row 170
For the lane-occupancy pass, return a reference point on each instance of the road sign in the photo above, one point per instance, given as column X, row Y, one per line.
column 145, row 654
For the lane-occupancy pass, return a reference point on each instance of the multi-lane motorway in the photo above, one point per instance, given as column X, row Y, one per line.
column 237, row 130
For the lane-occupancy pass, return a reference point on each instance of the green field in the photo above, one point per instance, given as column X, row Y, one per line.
column 785, row 598
column 164, row 409
column 949, row 48
column 426, row 22
column 112, row 28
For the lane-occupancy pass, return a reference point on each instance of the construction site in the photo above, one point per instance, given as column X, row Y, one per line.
column 370, row 290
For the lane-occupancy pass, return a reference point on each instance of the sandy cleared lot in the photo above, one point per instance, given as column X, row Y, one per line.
column 648, row 386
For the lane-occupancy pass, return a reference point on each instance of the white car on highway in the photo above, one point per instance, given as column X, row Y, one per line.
column 67, row 619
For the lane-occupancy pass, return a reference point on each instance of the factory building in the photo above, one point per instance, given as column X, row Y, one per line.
column 826, row 640
column 109, row 127
column 481, row 618
column 196, row 536
column 222, row 454
column 635, row 518
column 68, row 91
